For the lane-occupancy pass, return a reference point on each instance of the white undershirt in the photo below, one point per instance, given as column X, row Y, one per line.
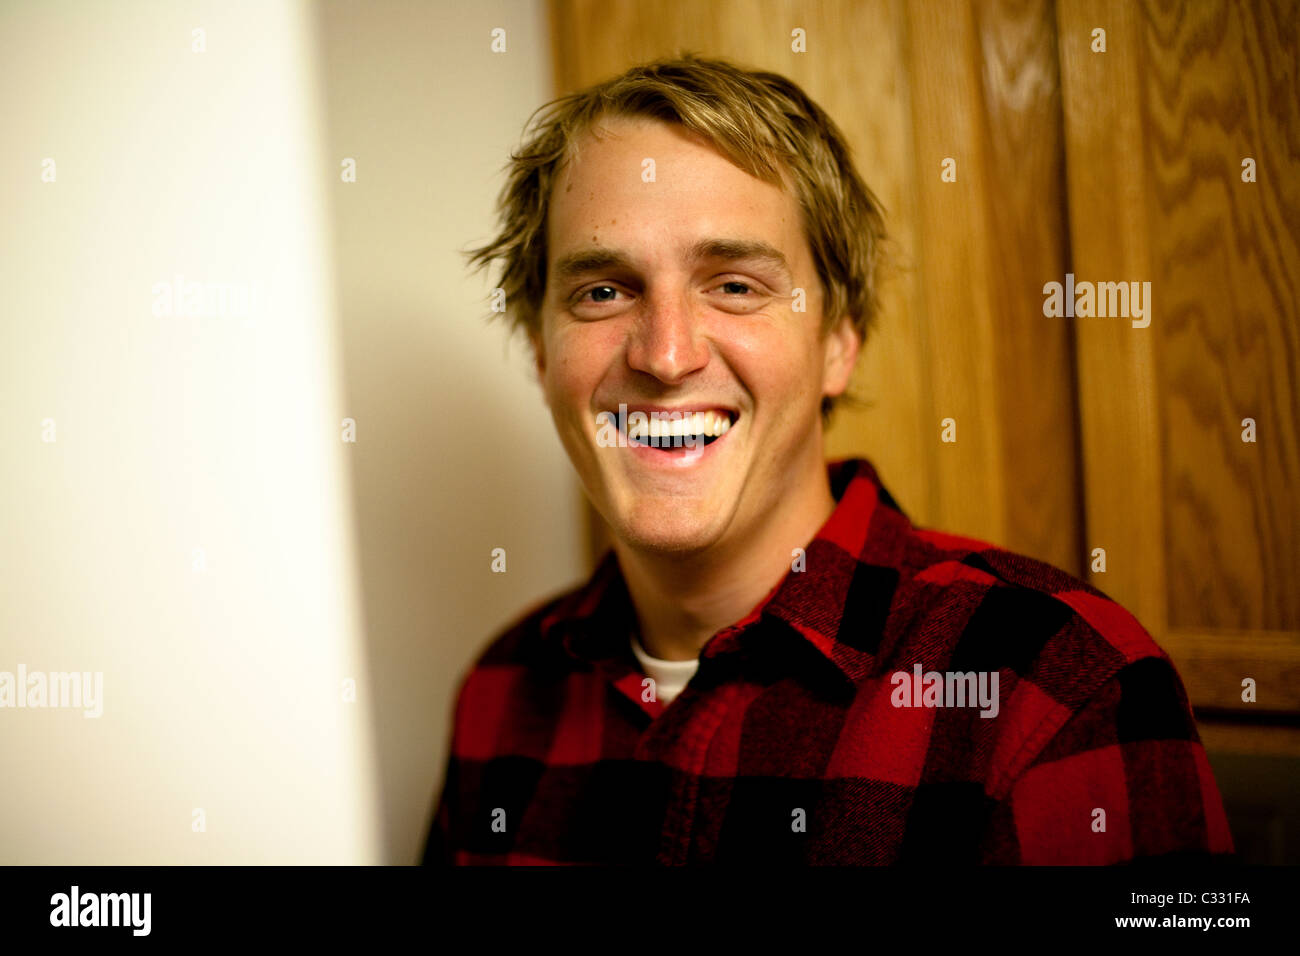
column 670, row 677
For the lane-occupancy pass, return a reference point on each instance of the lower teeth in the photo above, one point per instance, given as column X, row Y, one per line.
column 669, row 442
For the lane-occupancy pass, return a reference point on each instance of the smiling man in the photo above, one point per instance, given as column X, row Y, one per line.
column 772, row 663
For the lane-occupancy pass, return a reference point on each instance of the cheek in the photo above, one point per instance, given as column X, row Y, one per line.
column 772, row 358
column 580, row 356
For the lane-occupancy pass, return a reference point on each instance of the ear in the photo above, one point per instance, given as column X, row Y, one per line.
column 842, row 344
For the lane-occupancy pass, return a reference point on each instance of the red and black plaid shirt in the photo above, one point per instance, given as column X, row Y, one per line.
column 787, row 745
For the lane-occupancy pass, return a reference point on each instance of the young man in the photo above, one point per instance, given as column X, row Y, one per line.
column 773, row 664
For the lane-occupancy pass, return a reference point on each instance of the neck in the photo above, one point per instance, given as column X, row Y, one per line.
column 683, row 600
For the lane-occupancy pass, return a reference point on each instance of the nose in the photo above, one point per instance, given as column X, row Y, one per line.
column 666, row 340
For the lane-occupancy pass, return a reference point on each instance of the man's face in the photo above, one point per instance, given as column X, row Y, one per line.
column 677, row 294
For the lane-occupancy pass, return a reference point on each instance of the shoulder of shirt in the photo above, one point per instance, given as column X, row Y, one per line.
column 1050, row 627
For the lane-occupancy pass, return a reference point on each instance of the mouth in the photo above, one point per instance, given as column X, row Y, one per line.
column 667, row 431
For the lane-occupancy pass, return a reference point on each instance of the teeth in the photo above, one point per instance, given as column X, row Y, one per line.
column 710, row 423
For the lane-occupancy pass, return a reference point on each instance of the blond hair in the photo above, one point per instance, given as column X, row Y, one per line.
column 762, row 122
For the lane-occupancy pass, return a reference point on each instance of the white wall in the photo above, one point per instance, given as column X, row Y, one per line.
column 221, row 677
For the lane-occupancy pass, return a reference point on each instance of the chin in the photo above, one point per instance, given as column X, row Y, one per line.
column 652, row 533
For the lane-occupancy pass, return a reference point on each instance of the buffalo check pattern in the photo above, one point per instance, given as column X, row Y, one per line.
column 787, row 746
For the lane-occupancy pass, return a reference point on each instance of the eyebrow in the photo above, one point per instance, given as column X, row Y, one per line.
column 595, row 259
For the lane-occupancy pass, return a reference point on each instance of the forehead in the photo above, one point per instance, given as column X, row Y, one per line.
column 640, row 179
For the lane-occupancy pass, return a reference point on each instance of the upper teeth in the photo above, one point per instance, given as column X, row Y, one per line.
column 698, row 423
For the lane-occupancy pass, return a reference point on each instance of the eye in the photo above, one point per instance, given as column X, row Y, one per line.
column 740, row 296
column 598, row 293
column 732, row 285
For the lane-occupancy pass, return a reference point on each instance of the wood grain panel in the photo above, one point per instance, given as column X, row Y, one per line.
column 1201, row 528
column 986, row 93
column 1220, row 82
column 1213, row 664
column 957, row 291
column 1111, row 240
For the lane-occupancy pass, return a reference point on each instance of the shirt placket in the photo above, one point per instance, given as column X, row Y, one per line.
column 681, row 740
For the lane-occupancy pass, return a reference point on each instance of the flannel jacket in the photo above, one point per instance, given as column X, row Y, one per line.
column 809, row 735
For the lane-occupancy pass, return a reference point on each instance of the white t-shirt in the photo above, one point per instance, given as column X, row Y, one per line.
column 670, row 677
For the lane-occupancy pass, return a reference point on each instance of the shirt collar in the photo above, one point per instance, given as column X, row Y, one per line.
column 838, row 603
